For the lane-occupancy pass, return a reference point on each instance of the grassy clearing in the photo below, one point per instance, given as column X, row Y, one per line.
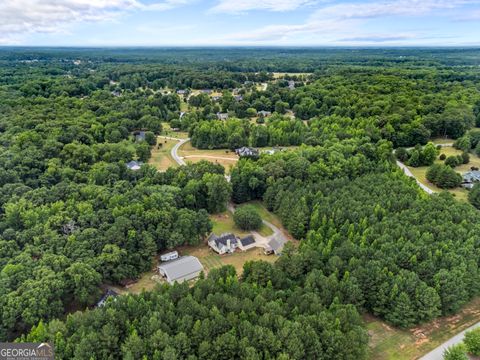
column 224, row 157
column 161, row 157
column 211, row 260
column 223, row 223
column 459, row 193
column 167, row 131
column 147, row 282
column 388, row 343
column 279, row 75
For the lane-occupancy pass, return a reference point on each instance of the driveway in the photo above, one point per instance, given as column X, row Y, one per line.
column 437, row 354
column 174, row 151
column 407, row 172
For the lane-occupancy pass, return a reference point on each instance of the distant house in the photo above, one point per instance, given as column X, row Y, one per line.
column 173, row 255
column 264, row 113
column 181, row 92
column 182, row 113
column 246, row 152
column 224, row 244
column 291, row 84
column 110, row 293
column 222, row 116
column 216, row 97
column 274, row 246
column 134, row 165
column 182, row 269
column 140, row 135
column 206, row 91
column 116, row 93
column 238, row 97
column 470, row 178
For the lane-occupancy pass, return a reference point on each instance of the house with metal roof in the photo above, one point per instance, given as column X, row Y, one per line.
column 182, row 269
column 264, row 113
column 224, row 244
column 222, row 116
column 470, row 178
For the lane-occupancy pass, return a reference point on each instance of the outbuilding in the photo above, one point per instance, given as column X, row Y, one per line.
column 182, row 269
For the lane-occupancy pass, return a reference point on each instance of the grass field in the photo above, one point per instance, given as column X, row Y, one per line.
column 459, row 193
column 224, row 157
column 211, row 260
column 388, row 343
column 223, row 223
column 167, row 131
column 161, row 157
column 279, row 75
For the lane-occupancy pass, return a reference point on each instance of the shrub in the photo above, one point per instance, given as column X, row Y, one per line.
column 455, row 352
column 443, row 176
column 465, row 157
column 401, row 154
column 452, row 161
column 443, row 157
column 472, row 341
column 247, row 218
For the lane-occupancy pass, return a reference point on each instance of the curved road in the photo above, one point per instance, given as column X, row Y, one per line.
column 437, row 353
column 174, row 151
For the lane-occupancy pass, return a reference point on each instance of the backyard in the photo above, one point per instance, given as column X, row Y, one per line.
column 161, row 158
column 459, row 193
column 224, row 157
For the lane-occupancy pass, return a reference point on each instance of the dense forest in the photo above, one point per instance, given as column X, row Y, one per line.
column 73, row 216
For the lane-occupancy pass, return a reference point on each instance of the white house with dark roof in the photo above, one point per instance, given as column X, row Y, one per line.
column 224, row 244
column 222, row 116
column 245, row 151
column 264, row 113
column 246, row 243
column 182, row 269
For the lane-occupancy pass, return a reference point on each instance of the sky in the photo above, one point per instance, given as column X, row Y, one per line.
column 240, row 22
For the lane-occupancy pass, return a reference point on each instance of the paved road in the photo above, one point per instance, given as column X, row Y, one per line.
column 437, row 354
column 174, row 151
column 409, row 173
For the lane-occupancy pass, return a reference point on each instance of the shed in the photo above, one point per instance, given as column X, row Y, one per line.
column 134, row 165
column 274, row 246
column 182, row 269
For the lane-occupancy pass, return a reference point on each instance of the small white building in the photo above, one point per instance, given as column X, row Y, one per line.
column 182, row 269
column 169, row 256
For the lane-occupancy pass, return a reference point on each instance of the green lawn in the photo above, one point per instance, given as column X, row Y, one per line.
column 223, row 223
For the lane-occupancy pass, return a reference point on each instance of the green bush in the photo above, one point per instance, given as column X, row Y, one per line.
column 247, row 218
column 443, row 176
column 474, row 196
column 455, row 352
column 472, row 341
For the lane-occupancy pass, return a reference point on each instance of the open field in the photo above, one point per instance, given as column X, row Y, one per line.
column 279, row 75
column 211, row 260
column 161, row 157
column 388, row 343
column 147, row 282
column 224, row 157
column 459, row 193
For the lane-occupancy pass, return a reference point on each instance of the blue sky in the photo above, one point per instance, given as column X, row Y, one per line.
column 240, row 22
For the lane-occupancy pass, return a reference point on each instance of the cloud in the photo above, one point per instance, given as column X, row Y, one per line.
column 337, row 23
column 241, row 6
column 21, row 17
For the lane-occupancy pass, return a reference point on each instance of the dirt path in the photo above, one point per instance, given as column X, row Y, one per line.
column 210, row 157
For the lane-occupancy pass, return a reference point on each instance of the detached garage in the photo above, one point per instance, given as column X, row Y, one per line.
column 180, row 270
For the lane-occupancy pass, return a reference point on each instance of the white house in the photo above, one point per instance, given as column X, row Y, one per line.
column 224, row 244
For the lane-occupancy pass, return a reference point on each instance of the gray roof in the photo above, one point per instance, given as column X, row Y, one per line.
column 247, row 240
column 246, row 151
column 471, row 176
column 180, row 268
column 276, row 244
column 134, row 165
column 222, row 239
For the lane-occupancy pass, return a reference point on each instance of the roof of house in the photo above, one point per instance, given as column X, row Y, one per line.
column 471, row 176
column 222, row 239
column 264, row 113
column 109, row 293
column 275, row 244
column 222, row 116
column 247, row 240
column 246, row 151
column 134, row 165
column 181, row 267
